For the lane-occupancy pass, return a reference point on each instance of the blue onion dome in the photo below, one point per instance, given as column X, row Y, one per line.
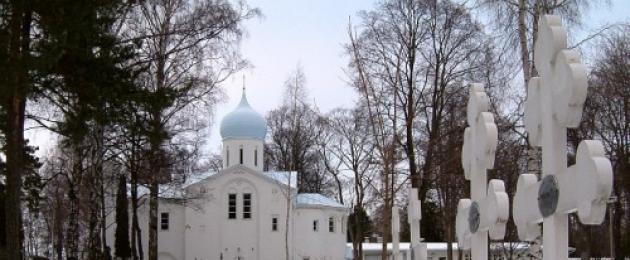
column 243, row 123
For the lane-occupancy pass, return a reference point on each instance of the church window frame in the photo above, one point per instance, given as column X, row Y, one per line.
column 164, row 221
column 231, row 205
column 315, row 225
column 227, row 157
column 240, row 154
column 256, row 156
column 247, row 205
column 274, row 223
column 331, row 225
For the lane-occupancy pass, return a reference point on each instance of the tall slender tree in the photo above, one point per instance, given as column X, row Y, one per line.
column 15, row 44
column 352, row 146
column 121, row 240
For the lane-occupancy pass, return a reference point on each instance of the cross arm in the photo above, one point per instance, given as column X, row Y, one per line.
column 584, row 187
column 525, row 209
column 490, row 214
column 587, row 185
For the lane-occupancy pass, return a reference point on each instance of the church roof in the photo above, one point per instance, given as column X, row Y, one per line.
column 283, row 177
column 316, row 200
column 243, row 123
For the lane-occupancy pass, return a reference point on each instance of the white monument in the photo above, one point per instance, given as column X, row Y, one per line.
column 554, row 103
column 414, row 215
column 488, row 210
column 395, row 234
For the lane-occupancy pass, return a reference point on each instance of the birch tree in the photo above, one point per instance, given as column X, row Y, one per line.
column 352, row 147
column 188, row 49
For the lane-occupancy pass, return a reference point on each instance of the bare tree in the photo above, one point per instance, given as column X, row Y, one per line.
column 417, row 56
column 382, row 118
column 188, row 49
column 351, row 146
column 295, row 130
column 606, row 117
column 328, row 159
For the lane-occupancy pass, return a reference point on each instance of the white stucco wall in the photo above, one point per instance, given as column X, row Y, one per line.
column 249, row 146
column 199, row 229
column 229, row 238
column 170, row 242
column 321, row 244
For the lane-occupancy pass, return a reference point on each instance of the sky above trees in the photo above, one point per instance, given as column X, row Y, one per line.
column 311, row 34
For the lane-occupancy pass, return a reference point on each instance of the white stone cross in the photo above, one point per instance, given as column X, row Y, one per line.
column 395, row 234
column 488, row 211
column 418, row 250
column 554, row 103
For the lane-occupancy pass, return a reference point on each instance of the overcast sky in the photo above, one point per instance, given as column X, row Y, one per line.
column 311, row 33
column 291, row 32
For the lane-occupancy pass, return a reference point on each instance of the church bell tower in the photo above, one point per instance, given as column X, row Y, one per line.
column 243, row 132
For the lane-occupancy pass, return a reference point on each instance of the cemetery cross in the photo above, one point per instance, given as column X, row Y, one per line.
column 488, row 210
column 554, row 103
column 418, row 250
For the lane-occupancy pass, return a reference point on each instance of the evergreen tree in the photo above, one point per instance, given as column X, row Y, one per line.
column 359, row 225
column 122, row 243
column 83, row 74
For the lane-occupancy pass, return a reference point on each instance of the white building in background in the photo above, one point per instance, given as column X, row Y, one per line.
column 241, row 211
column 439, row 251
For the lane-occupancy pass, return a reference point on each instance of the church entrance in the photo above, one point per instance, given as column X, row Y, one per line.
column 240, row 230
column 240, row 240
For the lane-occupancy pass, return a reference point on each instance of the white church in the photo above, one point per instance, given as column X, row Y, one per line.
column 243, row 212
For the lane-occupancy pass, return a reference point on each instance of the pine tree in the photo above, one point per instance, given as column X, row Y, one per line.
column 122, row 243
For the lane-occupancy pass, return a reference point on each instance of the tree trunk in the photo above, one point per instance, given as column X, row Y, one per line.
column 100, row 177
column 95, row 223
column 155, row 141
column 106, row 249
column 523, row 43
column 58, row 226
column 357, row 234
column 59, row 243
column 74, row 180
column 136, row 241
column 339, row 188
column 72, row 235
column 94, row 235
column 19, row 26
column 449, row 243
column 136, row 238
column 533, row 153
column 387, row 203
column 617, row 212
column 286, row 220
column 153, row 219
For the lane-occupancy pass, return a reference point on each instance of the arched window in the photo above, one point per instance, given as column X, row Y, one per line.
column 274, row 223
column 256, row 157
column 241, row 154
column 227, row 156
column 331, row 224
column 232, row 206
column 247, row 206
